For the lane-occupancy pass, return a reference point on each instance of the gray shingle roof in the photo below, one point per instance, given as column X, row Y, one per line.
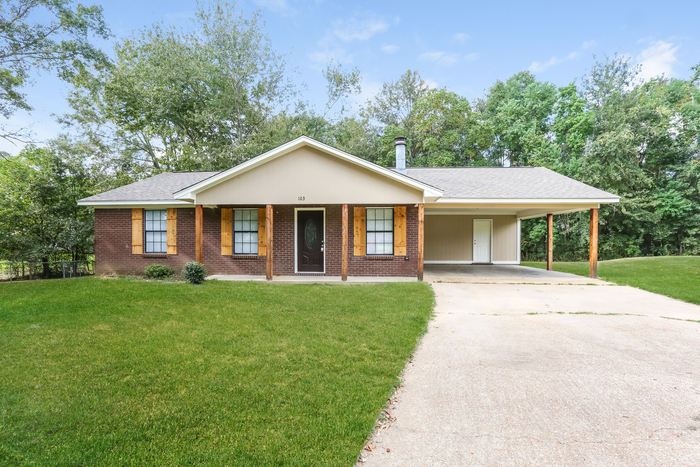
column 456, row 182
column 157, row 188
column 505, row 183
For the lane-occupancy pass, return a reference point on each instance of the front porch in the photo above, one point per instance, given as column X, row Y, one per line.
column 308, row 279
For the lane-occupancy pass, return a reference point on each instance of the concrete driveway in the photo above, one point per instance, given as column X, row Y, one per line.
column 516, row 374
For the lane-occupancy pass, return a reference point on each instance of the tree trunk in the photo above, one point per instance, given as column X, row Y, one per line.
column 46, row 270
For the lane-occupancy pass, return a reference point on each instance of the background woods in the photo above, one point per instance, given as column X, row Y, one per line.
column 218, row 93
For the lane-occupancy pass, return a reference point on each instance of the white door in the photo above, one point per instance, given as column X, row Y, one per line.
column 482, row 240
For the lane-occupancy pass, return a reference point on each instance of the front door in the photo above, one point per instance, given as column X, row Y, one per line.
column 310, row 241
column 482, row 241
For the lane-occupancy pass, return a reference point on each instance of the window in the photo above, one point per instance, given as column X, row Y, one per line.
column 380, row 231
column 245, row 231
column 156, row 231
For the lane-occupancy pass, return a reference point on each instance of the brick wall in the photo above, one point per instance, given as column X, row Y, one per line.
column 113, row 245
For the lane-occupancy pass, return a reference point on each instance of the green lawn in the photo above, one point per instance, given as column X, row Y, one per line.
column 116, row 372
column 674, row 276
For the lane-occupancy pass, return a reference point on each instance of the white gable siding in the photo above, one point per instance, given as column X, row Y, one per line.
column 308, row 176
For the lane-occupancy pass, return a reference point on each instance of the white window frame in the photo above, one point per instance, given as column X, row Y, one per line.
column 393, row 233
column 233, row 232
column 146, row 231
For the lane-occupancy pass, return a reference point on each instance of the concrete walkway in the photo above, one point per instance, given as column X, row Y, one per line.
column 545, row 375
column 310, row 279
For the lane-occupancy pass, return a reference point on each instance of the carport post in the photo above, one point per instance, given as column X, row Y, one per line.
column 421, row 222
column 344, row 264
column 550, row 240
column 199, row 234
column 268, row 234
column 593, row 267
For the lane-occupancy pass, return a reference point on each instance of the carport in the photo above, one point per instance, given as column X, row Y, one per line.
column 477, row 221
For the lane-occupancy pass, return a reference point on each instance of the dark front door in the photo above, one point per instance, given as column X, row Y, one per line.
column 310, row 241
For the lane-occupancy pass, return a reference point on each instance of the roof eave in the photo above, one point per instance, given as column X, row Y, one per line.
column 133, row 203
column 445, row 200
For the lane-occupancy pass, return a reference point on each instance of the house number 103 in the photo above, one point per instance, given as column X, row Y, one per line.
column 301, row 198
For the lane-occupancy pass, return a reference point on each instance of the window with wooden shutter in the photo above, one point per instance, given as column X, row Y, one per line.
column 359, row 231
column 262, row 246
column 399, row 230
column 137, row 231
column 227, row 231
column 172, row 231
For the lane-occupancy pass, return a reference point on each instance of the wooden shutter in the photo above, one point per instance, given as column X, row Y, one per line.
column 137, row 231
column 226, row 231
column 172, row 231
column 399, row 230
column 359, row 227
column 262, row 246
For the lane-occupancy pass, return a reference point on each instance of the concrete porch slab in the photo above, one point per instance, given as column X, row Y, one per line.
column 311, row 279
column 501, row 274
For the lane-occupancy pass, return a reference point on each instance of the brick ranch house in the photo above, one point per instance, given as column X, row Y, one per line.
column 308, row 208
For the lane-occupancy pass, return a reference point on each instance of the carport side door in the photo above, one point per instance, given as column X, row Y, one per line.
column 482, row 241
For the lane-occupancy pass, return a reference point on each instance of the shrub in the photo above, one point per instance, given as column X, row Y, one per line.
column 194, row 272
column 158, row 271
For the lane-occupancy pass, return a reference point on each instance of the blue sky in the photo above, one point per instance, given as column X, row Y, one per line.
column 463, row 46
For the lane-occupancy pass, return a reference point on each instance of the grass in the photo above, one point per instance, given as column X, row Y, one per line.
column 116, row 372
column 673, row 276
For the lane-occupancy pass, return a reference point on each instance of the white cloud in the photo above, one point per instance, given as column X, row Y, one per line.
column 460, row 38
column 538, row 67
column 440, row 57
column 338, row 54
column 278, row 6
column 369, row 90
column 432, row 84
column 658, row 59
column 588, row 44
column 390, row 49
column 471, row 57
column 359, row 29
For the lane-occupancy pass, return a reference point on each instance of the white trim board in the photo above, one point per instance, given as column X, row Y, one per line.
column 467, row 262
column 191, row 191
column 516, row 201
column 175, row 203
column 325, row 244
column 519, row 239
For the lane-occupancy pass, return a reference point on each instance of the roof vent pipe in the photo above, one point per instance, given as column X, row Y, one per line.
column 400, row 143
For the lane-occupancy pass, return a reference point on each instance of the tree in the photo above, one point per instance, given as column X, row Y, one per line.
column 60, row 42
column 393, row 109
column 39, row 216
column 447, row 132
column 181, row 100
column 519, row 110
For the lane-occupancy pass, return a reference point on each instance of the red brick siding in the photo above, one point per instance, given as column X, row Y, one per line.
column 113, row 245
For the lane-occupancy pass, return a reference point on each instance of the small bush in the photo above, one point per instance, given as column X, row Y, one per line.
column 158, row 271
column 194, row 272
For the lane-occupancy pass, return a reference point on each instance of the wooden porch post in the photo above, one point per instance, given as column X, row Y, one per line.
column 345, row 243
column 593, row 266
column 268, row 240
column 421, row 222
column 199, row 234
column 550, row 241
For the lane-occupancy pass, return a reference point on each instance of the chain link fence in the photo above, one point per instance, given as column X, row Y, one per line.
column 11, row 271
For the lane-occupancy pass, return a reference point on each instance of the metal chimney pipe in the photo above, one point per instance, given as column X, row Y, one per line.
column 400, row 144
